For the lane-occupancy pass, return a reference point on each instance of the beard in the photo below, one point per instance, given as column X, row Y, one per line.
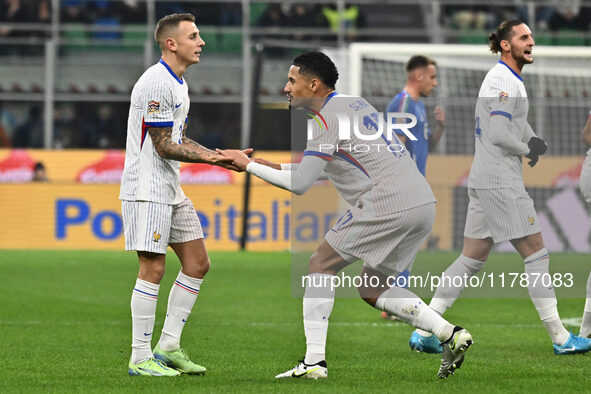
column 520, row 58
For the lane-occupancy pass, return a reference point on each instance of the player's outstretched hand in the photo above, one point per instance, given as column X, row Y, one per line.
column 537, row 147
column 267, row 163
column 239, row 158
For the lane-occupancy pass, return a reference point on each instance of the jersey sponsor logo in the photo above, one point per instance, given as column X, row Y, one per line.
column 153, row 107
column 503, row 96
column 178, row 105
column 157, row 237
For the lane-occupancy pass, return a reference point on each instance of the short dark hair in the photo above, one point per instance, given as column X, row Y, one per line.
column 168, row 22
column 504, row 32
column 319, row 65
column 419, row 61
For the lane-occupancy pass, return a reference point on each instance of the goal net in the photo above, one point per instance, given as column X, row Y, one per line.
column 558, row 85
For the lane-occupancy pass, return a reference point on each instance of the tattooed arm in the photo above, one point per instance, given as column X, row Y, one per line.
column 188, row 151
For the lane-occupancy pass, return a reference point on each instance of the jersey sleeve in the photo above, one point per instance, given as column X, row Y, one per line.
column 323, row 137
column 159, row 105
column 400, row 103
column 297, row 181
column 503, row 97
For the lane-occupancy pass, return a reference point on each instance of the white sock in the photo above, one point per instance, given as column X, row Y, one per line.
column 544, row 298
column 411, row 309
column 446, row 294
column 182, row 297
column 143, row 314
column 317, row 304
column 586, row 325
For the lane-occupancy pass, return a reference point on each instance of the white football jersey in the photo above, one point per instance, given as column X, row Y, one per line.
column 374, row 174
column 502, row 93
column 589, row 150
column 159, row 99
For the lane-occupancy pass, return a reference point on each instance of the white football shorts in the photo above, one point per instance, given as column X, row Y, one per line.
column 387, row 244
column 503, row 214
column 151, row 227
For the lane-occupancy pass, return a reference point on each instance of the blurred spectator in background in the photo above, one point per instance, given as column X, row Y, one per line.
column 42, row 14
column 543, row 14
column 105, row 17
column 100, row 129
column 471, row 16
column 169, row 7
column 8, row 123
column 274, row 17
column 569, row 15
column 132, row 11
column 67, row 134
column 305, row 15
column 4, row 140
column 13, row 11
column 350, row 19
column 39, row 173
column 230, row 14
column 30, row 133
column 74, row 11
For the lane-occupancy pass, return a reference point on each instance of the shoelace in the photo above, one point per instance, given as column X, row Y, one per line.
column 184, row 354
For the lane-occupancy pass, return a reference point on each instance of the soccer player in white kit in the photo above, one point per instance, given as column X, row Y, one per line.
column 154, row 208
column 391, row 215
column 500, row 208
column 585, row 186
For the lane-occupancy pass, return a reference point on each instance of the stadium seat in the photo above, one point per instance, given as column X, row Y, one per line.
column 232, row 43
column 569, row 37
column 543, row 38
column 472, row 36
column 212, row 42
column 134, row 34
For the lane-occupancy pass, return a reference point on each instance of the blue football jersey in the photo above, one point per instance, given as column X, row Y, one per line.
column 418, row 149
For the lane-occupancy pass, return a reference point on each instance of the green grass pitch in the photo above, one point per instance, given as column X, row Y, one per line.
column 65, row 327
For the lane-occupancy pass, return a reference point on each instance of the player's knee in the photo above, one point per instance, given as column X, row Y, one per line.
column 152, row 271
column 197, row 268
column 204, row 266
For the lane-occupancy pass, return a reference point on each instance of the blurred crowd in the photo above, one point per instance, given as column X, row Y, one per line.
column 99, row 125
column 561, row 15
column 107, row 17
column 79, row 125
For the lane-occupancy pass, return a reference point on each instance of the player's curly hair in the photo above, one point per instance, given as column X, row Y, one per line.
column 319, row 65
column 504, row 32
column 167, row 22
